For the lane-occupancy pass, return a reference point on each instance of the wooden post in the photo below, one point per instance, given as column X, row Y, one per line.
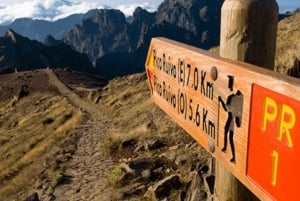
column 248, row 33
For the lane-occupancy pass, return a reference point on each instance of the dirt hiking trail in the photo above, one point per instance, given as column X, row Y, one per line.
column 88, row 168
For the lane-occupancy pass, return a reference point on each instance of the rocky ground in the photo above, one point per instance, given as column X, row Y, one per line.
column 118, row 146
column 154, row 158
column 36, row 123
column 151, row 158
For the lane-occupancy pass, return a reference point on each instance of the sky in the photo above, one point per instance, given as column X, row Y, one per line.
column 57, row 9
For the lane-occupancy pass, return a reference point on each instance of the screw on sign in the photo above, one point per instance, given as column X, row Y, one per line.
column 245, row 116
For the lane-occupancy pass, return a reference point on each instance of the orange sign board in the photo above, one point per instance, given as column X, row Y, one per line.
column 274, row 143
column 244, row 115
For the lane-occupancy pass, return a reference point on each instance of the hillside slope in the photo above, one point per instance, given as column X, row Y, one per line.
column 50, row 137
column 288, row 42
column 149, row 148
column 35, row 123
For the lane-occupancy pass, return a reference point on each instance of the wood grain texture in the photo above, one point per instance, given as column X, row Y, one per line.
column 248, row 31
column 199, row 111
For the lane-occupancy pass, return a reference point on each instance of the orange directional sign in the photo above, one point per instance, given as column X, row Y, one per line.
column 244, row 115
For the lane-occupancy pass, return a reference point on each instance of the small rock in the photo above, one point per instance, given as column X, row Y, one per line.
column 175, row 147
column 78, row 190
column 194, row 192
column 151, row 125
column 295, row 70
column 146, row 173
column 129, row 143
column 33, row 197
column 191, row 145
column 52, row 198
column 171, row 156
column 203, row 170
column 140, row 164
column 23, row 91
column 134, row 191
column 210, row 183
column 156, row 144
column 163, row 188
column 182, row 159
column 55, row 150
column 139, row 148
column 97, row 99
column 126, row 168
column 60, row 158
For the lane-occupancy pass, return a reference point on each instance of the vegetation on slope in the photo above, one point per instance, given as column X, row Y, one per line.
column 143, row 136
column 32, row 128
column 288, row 46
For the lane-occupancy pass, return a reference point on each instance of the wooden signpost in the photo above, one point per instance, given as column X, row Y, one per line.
column 245, row 116
column 248, row 33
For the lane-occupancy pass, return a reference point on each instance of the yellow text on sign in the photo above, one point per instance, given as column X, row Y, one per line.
column 286, row 115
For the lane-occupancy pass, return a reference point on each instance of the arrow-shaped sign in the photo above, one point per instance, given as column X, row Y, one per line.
column 244, row 115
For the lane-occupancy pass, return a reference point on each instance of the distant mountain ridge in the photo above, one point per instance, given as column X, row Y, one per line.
column 39, row 29
column 20, row 53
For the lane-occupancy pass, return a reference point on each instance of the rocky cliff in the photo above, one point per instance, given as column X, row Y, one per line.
column 107, row 37
column 104, row 32
column 202, row 18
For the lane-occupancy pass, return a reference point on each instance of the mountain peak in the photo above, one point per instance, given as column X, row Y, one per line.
column 51, row 41
column 12, row 35
column 141, row 14
column 109, row 16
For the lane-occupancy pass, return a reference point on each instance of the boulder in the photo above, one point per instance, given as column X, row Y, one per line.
column 194, row 190
column 23, row 91
column 163, row 188
column 295, row 70
column 33, row 197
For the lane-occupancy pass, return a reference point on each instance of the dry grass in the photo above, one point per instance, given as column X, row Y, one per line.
column 29, row 130
column 136, row 122
column 288, row 45
column 135, row 117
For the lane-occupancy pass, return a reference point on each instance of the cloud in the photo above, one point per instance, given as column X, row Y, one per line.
column 129, row 9
column 44, row 9
column 56, row 9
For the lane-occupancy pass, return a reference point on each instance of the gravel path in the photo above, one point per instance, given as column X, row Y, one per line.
column 88, row 167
